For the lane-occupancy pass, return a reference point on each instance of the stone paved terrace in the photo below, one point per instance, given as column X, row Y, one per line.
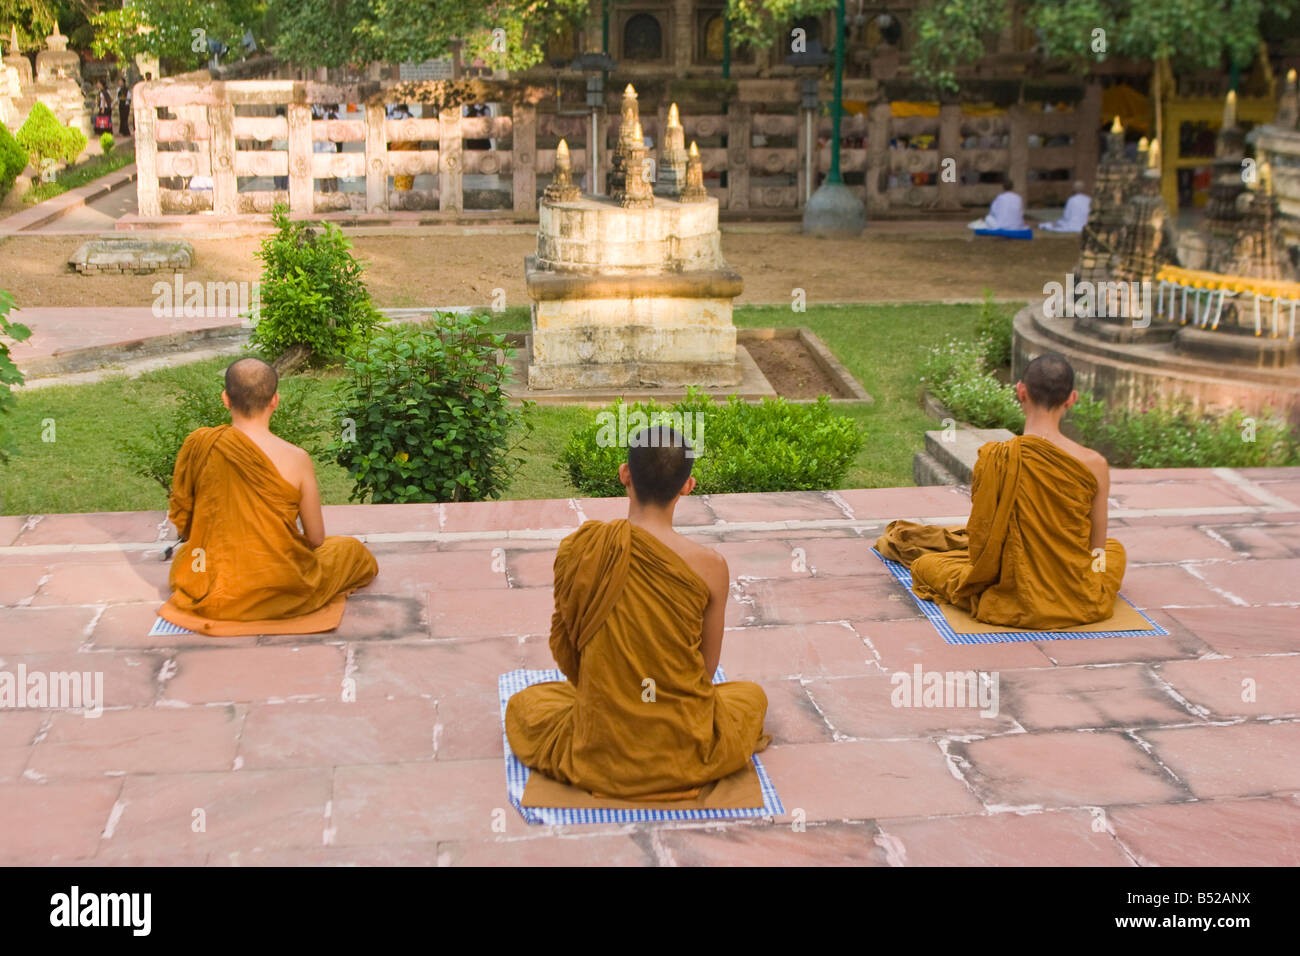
column 1105, row 751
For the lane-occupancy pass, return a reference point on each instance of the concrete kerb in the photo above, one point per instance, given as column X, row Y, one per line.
column 52, row 209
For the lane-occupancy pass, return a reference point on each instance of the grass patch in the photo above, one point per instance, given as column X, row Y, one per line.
column 79, row 175
column 83, row 469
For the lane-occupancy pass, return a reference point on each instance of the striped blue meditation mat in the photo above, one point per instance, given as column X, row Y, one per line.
column 935, row 615
column 165, row 628
column 511, row 683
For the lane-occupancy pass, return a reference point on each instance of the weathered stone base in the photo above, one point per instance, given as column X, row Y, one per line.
column 1261, row 351
column 1125, row 332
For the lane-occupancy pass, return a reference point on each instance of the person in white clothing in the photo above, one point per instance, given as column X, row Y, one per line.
column 1007, row 211
column 1076, row 212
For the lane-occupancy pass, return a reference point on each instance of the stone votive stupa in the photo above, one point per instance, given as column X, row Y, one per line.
column 672, row 157
column 629, row 291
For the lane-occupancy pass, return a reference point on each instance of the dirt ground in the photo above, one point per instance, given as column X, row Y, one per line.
column 442, row 269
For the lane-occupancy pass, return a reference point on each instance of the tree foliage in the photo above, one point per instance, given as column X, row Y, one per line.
column 1194, row 34
column 171, row 30
column 759, row 23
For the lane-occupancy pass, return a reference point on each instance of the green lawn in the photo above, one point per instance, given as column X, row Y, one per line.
column 84, row 468
column 80, row 175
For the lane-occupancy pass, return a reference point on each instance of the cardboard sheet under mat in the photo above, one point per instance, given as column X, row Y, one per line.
column 540, row 800
column 958, row 627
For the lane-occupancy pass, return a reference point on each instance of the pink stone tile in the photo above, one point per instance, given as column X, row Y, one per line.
column 865, row 708
column 886, row 504
column 531, row 569
column 777, row 506
column 1179, row 643
column 18, row 728
column 832, row 556
column 1235, row 761
column 111, row 527
column 140, row 740
column 10, row 525
column 509, row 515
column 1240, row 686
column 549, row 850
column 1160, row 475
column 692, row 511
column 433, row 670
column 1215, row 833
column 393, row 854
column 334, row 734
column 380, row 519
column 415, row 571
column 1244, row 631
column 902, row 644
column 1257, row 582
column 469, row 725
column 1066, row 697
column 126, row 678
column 459, row 614
column 1261, row 542
column 28, row 630
column 1153, row 586
column 825, row 844
column 217, row 675
column 1290, row 490
column 537, row 653
column 792, row 718
column 53, row 823
column 128, row 625
column 19, row 582
column 799, row 650
column 435, row 800
column 382, row 617
column 244, row 810
column 1064, row 769
column 119, row 582
column 764, row 559
column 1200, row 493
column 806, row 600
column 1151, row 545
column 1062, row 838
column 865, row 780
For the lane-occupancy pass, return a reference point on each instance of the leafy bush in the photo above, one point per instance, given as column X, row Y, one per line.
column 106, row 142
column 312, row 293
column 425, row 413
column 957, row 374
column 993, row 331
column 43, row 137
column 1168, row 437
column 772, row 446
column 154, row 456
column 13, row 160
column 9, row 374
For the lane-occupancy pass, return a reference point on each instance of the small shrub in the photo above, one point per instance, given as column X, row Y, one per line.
column 425, row 414
column 43, row 137
column 957, row 374
column 9, row 373
column 106, row 142
column 993, row 330
column 154, row 456
column 772, row 446
column 13, row 160
column 312, row 293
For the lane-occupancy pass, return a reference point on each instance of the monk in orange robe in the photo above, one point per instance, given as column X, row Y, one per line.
column 637, row 631
column 1034, row 553
column 238, row 492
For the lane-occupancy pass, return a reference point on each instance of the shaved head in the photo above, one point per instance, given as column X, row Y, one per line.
column 1049, row 380
column 659, row 464
column 250, row 386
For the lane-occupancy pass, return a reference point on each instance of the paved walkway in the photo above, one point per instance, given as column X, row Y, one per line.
column 1173, row 750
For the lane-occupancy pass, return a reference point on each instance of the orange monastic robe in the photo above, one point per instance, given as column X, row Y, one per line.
column 1024, row 558
column 628, row 611
column 252, row 564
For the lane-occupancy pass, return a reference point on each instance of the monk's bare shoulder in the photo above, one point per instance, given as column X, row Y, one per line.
column 707, row 563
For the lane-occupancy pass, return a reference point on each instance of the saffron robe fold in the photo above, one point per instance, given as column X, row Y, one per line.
column 1024, row 558
column 638, row 716
column 243, row 557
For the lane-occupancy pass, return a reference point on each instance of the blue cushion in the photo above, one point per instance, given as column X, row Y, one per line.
column 1006, row 233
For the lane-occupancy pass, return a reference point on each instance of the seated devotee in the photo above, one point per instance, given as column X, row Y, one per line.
column 1076, row 211
column 1034, row 553
column 637, row 631
column 1007, row 213
column 238, row 493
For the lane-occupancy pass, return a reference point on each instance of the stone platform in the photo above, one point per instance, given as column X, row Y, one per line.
column 1115, row 752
